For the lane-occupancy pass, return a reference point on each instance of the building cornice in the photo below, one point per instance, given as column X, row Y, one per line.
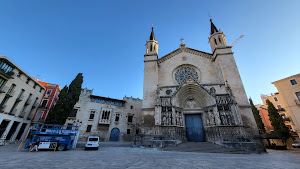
column 21, row 70
column 187, row 50
column 229, row 53
column 286, row 78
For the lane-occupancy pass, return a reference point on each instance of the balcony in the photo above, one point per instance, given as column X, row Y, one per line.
column 30, row 117
column 281, row 109
column 5, row 89
column 43, row 107
column 28, row 102
column 297, row 102
column 2, row 108
column 7, row 74
column 286, row 119
column 104, row 121
column 35, row 105
column 22, row 114
column 47, row 96
column 20, row 98
column 13, row 112
column 10, row 93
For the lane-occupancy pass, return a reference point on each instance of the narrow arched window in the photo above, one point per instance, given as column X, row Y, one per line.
column 220, row 40
column 216, row 42
column 150, row 47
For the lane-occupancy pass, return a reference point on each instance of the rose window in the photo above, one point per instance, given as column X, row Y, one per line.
column 185, row 72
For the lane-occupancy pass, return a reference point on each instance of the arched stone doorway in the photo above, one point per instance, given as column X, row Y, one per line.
column 114, row 134
column 193, row 99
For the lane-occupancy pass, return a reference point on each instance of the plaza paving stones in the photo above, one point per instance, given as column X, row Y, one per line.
column 125, row 157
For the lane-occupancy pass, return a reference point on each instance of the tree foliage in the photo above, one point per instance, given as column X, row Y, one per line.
column 68, row 97
column 258, row 120
column 277, row 121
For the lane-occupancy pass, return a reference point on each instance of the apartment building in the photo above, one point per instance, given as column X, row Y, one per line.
column 48, row 101
column 289, row 90
column 20, row 95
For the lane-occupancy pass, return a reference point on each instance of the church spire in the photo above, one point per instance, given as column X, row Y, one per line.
column 217, row 38
column 213, row 28
column 152, row 45
column 152, row 35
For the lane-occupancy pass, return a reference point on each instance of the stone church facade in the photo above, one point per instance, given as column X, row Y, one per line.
column 190, row 95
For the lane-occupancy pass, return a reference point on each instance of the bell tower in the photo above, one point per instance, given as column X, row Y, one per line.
column 217, row 38
column 152, row 45
column 224, row 59
column 150, row 73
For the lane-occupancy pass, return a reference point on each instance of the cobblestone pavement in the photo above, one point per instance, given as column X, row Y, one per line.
column 124, row 157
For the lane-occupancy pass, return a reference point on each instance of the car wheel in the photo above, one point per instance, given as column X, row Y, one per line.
column 61, row 147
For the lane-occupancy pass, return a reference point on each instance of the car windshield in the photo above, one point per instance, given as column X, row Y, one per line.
column 93, row 139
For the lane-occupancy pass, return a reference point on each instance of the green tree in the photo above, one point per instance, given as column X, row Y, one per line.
column 277, row 122
column 258, row 120
column 68, row 97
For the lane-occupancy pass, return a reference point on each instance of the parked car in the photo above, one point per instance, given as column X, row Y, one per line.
column 92, row 142
column 296, row 144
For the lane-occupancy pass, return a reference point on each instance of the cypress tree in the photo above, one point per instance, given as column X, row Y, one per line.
column 277, row 122
column 258, row 120
column 68, row 97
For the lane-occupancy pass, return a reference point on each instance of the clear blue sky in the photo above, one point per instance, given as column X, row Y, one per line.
column 105, row 40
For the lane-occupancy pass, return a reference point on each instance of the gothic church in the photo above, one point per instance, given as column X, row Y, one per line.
column 190, row 95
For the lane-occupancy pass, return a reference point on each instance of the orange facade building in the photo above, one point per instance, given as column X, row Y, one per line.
column 49, row 99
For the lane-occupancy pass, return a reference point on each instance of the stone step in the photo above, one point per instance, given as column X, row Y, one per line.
column 205, row 147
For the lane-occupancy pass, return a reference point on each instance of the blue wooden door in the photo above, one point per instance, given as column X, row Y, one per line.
column 114, row 135
column 194, row 127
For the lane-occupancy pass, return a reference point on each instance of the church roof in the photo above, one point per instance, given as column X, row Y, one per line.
column 213, row 28
column 152, row 37
column 188, row 50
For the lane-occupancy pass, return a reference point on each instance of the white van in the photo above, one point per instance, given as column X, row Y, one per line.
column 92, row 142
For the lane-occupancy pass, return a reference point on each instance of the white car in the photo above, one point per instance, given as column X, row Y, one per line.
column 92, row 142
column 296, row 144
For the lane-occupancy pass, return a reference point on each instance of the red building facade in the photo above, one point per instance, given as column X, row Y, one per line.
column 49, row 99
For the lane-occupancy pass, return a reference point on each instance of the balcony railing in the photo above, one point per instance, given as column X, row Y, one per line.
column 281, row 109
column 297, row 102
column 7, row 74
column 2, row 108
column 13, row 112
column 5, row 89
column 20, row 98
column 28, row 102
column 104, row 121
column 47, row 96
column 22, row 114
column 43, row 107
column 35, row 105
column 30, row 117
column 10, row 93
column 287, row 119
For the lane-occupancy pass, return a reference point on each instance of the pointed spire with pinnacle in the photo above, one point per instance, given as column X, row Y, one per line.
column 213, row 28
column 152, row 35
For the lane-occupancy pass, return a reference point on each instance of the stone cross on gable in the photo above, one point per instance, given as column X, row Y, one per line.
column 181, row 40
